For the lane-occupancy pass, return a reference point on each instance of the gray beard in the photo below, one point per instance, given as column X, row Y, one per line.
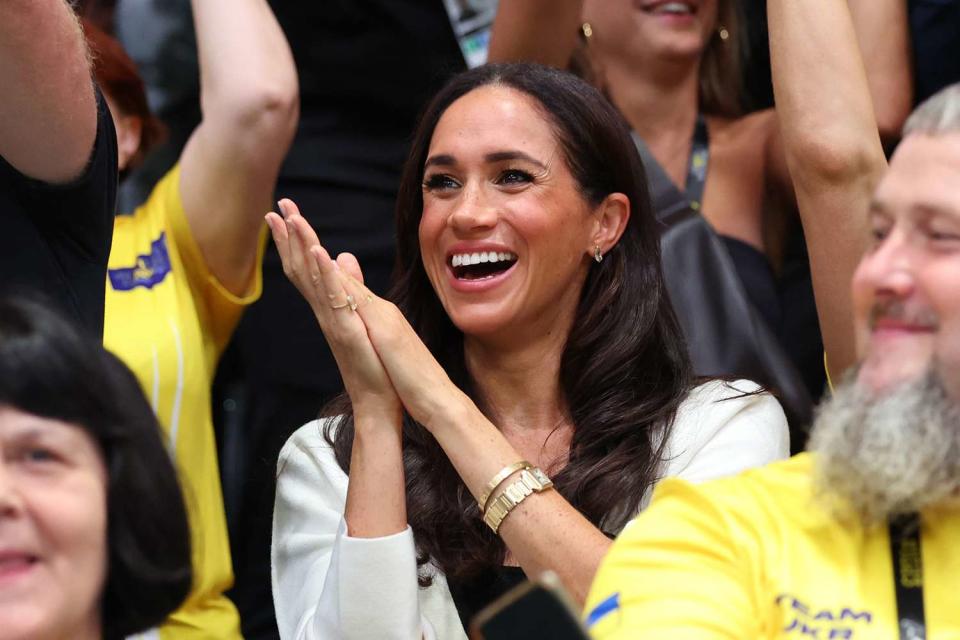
column 886, row 454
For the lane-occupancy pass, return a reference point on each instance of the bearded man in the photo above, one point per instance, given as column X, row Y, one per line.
column 859, row 537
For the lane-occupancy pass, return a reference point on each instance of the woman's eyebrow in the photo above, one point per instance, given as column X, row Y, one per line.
column 500, row 156
column 40, row 434
column 447, row 160
column 443, row 160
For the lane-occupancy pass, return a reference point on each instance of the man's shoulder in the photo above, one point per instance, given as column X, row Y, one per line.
column 775, row 493
column 785, row 480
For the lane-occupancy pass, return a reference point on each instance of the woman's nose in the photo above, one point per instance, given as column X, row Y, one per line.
column 10, row 498
column 475, row 211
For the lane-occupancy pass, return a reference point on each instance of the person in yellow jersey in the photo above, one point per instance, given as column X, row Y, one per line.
column 858, row 537
column 185, row 264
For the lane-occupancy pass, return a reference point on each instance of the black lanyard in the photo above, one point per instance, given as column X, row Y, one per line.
column 697, row 169
column 908, row 576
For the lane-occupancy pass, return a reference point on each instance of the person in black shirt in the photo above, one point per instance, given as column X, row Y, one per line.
column 58, row 163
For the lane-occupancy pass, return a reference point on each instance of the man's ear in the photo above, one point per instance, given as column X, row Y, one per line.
column 610, row 221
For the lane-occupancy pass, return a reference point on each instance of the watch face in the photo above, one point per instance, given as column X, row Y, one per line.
column 540, row 476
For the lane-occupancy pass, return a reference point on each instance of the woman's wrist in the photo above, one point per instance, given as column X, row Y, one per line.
column 377, row 421
column 454, row 410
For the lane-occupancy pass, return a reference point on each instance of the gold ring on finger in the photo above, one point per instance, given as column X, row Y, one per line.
column 348, row 303
column 352, row 303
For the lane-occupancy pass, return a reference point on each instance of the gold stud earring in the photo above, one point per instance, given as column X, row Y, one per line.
column 587, row 30
column 723, row 33
column 596, row 253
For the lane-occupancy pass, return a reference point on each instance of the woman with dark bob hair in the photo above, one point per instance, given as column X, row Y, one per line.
column 94, row 541
column 514, row 408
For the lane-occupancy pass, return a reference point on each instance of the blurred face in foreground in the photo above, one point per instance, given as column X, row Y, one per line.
column 53, row 526
column 906, row 290
column 888, row 441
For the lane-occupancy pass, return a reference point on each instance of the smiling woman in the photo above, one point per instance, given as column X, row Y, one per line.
column 93, row 532
column 531, row 338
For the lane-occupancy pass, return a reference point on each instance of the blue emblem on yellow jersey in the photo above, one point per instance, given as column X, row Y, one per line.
column 148, row 271
column 602, row 610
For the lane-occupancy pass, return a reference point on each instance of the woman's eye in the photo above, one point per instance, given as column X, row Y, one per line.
column 514, row 177
column 439, row 181
column 37, row 455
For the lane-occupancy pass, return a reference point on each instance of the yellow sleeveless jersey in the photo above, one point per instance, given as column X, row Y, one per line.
column 168, row 318
column 754, row 556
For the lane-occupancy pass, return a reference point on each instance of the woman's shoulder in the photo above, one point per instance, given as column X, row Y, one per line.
column 718, row 401
column 723, row 427
column 717, row 390
column 756, row 122
column 309, row 452
column 744, row 134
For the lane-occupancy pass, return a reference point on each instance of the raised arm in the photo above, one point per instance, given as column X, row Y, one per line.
column 883, row 34
column 829, row 134
column 48, row 114
column 543, row 31
column 250, row 102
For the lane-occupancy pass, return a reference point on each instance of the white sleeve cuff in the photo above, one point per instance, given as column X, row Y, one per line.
column 377, row 590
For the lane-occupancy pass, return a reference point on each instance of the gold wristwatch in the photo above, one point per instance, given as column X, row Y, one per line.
column 529, row 481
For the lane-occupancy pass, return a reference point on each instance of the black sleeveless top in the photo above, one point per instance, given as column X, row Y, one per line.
column 470, row 596
column 785, row 354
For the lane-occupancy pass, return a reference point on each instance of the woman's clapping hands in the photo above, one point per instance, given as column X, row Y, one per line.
column 381, row 358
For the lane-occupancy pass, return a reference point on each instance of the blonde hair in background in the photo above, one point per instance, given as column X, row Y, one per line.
column 939, row 114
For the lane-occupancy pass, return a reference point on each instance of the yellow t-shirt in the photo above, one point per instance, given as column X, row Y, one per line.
column 168, row 318
column 754, row 556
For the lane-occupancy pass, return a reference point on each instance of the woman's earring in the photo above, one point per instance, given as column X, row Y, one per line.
column 723, row 33
column 586, row 29
column 596, row 253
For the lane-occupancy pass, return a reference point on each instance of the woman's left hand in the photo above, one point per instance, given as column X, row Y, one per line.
column 424, row 388
column 545, row 532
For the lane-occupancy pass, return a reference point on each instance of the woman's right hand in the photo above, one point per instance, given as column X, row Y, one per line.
column 320, row 281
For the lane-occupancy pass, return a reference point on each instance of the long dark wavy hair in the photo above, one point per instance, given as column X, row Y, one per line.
column 624, row 369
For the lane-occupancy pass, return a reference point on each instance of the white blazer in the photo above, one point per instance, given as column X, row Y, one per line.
column 330, row 586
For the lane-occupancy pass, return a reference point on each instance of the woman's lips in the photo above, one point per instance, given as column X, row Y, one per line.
column 678, row 14
column 478, row 285
column 15, row 565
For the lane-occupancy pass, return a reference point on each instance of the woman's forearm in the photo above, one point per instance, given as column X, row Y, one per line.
column 544, row 532
column 376, row 498
column 823, row 98
column 250, row 102
column 246, row 67
column 833, row 151
column 883, row 33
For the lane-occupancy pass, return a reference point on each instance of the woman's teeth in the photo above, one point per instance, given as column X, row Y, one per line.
column 467, row 259
column 679, row 8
